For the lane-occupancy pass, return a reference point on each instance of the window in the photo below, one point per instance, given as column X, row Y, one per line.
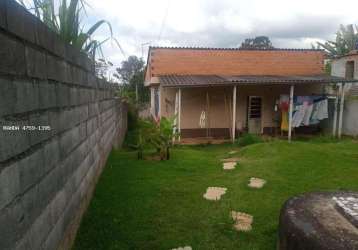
column 254, row 107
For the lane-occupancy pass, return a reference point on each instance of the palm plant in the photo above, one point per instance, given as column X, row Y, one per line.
column 346, row 40
column 66, row 22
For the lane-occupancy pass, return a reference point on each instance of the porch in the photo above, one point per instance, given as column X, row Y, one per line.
column 212, row 108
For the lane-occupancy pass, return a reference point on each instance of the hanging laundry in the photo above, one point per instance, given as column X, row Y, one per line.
column 323, row 110
column 307, row 116
column 284, row 121
column 284, row 106
column 307, row 110
column 297, row 117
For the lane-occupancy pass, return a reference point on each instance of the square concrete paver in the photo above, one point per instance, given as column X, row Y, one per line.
column 243, row 221
column 256, row 182
column 183, row 248
column 214, row 193
column 229, row 165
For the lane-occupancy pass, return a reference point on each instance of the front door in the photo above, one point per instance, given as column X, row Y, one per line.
column 254, row 114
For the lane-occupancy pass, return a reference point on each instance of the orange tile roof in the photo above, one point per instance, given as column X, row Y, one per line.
column 233, row 61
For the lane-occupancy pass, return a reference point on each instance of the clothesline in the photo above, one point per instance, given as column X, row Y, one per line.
column 307, row 110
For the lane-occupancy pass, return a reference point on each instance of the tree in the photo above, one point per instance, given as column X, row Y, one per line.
column 259, row 42
column 346, row 40
column 131, row 75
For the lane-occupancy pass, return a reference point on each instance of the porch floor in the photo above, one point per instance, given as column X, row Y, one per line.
column 203, row 140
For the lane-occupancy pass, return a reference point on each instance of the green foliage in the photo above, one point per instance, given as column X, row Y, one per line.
column 248, row 139
column 328, row 67
column 151, row 133
column 259, row 42
column 65, row 19
column 346, row 40
column 131, row 76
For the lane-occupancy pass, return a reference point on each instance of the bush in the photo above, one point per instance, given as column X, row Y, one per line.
column 248, row 139
column 150, row 133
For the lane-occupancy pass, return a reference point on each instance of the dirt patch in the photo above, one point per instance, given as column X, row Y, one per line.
column 183, row 248
column 236, row 159
column 256, row 182
column 214, row 193
column 243, row 221
column 229, row 165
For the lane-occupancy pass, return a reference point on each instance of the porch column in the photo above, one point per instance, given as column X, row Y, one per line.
column 179, row 113
column 341, row 108
column 233, row 114
column 292, row 89
column 335, row 115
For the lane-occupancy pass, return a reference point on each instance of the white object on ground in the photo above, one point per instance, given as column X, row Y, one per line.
column 256, row 182
column 183, row 248
column 214, row 193
column 243, row 221
column 232, row 152
column 229, row 165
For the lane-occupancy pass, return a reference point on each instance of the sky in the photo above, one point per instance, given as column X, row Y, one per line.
column 216, row 23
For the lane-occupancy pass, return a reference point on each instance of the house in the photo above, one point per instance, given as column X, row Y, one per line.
column 220, row 92
column 347, row 66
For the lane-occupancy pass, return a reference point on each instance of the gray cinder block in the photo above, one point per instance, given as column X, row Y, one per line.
column 47, row 94
column 9, row 184
column 44, row 35
column 20, row 22
column 12, row 56
column 13, row 142
column 27, row 96
column 35, row 63
column 51, row 151
column 3, row 14
column 62, row 95
column 31, row 168
column 7, row 97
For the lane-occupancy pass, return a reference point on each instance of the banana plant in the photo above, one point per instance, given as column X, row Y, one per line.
column 346, row 40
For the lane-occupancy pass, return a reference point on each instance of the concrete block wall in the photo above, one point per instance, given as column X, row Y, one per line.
column 47, row 176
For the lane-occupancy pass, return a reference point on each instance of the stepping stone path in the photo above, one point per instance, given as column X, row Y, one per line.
column 243, row 221
column 229, row 165
column 214, row 193
column 256, row 182
column 183, row 248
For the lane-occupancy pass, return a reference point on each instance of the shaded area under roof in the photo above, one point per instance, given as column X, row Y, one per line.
column 216, row 80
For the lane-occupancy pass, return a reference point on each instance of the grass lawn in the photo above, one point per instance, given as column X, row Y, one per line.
column 160, row 204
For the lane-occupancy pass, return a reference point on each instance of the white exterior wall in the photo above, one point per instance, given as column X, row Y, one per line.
column 350, row 113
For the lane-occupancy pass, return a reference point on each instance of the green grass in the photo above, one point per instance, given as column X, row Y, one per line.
column 159, row 205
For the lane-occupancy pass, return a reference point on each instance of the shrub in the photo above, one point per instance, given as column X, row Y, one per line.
column 248, row 139
column 157, row 134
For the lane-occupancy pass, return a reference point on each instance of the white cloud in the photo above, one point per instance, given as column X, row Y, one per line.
column 218, row 23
